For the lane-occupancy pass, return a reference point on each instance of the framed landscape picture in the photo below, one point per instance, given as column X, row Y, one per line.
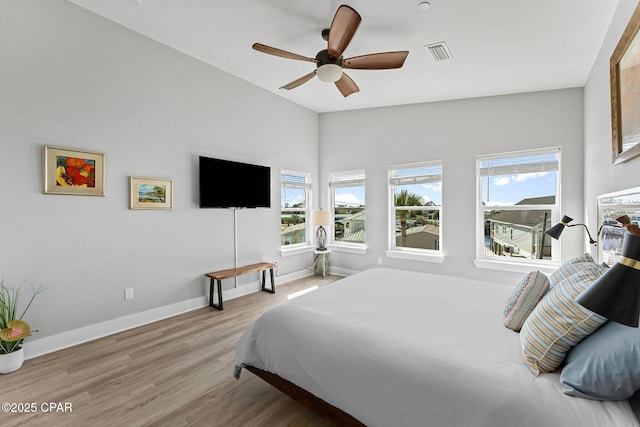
column 151, row 193
column 71, row 171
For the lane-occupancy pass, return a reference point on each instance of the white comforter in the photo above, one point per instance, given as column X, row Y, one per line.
column 397, row 348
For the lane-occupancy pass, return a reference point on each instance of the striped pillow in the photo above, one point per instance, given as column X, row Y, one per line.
column 573, row 266
column 524, row 299
column 558, row 323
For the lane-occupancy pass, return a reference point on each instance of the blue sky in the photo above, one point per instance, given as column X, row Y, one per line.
column 503, row 190
column 510, row 189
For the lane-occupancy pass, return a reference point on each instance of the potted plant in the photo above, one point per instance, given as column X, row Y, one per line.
column 13, row 330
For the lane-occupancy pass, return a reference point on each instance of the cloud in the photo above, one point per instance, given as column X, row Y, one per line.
column 502, row 180
column 435, row 187
column 348, row 199
column 525, row 176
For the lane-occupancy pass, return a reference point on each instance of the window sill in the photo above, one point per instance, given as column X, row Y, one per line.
column 416, row 256
column 297, row 250
column 352, row 249
column 517, row 267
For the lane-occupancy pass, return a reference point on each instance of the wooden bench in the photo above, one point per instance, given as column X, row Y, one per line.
column 217, row 276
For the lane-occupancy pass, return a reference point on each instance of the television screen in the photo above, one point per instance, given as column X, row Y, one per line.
column 228, row 184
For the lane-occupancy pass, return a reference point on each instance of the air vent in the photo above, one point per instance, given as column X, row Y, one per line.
column 440, row 51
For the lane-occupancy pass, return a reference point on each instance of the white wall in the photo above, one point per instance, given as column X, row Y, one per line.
column 70, row 78
column 601, row 176
column 454, row 132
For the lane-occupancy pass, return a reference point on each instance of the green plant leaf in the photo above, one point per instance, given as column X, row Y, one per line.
column 15, row 331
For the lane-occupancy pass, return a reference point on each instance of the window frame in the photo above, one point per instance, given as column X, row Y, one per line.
column 308, row 244
column 342, row 179
column 513, row 263
column 417, row 254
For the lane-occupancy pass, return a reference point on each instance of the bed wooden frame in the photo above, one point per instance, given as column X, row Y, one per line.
column 325, row 410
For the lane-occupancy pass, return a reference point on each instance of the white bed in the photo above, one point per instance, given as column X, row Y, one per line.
column 399, row 348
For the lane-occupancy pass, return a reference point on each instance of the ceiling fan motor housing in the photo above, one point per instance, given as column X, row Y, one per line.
column 323, row 58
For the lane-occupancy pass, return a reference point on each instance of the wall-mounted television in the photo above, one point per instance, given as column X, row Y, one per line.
column 229, row 184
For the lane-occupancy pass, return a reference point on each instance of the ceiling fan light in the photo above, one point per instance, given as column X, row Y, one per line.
column 329, row 73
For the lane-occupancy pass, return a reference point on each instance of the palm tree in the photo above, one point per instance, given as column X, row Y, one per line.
column 404, row 198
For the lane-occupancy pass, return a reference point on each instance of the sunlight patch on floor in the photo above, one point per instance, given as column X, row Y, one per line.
column 302, row 292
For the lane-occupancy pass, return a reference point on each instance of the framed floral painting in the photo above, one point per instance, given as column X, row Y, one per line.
column 151, row 193
column 71, row 171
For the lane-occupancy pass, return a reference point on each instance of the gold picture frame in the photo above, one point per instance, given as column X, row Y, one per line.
column 72, row 171
column 151, row 193
column 625, row 93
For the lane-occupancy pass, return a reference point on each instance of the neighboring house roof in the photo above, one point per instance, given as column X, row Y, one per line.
column 544, row 200
column 529, row 218
column 359, row 216
column 358, row 236
column 431, row 229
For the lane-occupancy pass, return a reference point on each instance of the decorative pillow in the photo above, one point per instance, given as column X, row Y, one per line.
column 524, row 299
column 557, row 324
column 573, row 266
column 605, row 366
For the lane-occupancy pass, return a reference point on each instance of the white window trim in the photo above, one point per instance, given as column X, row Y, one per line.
column 359, row 178
column 510, row 264
column 309, row 244
column 414, row 254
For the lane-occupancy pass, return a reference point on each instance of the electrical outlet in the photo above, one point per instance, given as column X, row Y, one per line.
column 128, row 294
column 379, row 261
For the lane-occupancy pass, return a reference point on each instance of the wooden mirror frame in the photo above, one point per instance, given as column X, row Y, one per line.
column 629, row 35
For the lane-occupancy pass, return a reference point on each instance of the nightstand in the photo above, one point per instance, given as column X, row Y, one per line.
column 321, row 263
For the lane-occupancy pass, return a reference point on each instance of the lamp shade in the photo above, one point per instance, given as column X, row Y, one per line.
column 320, row 217
column 329, row 73
column 557, row 229
column 616, row 294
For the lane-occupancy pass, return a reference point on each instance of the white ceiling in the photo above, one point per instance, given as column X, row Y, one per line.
column 498, row 46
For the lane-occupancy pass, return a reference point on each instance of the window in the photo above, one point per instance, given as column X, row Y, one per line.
column 295, row 188
column 519, row 198
column 348, row 204
column 415, row 200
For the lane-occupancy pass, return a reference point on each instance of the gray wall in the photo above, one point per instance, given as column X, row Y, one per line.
column 454, row 132
column 601, row 176
column 70, row 78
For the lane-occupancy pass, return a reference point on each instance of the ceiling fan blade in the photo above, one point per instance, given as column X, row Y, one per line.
column 281, row 53
column 299, row 81
column 344, row 25
column 377, row 61
column 346, row 86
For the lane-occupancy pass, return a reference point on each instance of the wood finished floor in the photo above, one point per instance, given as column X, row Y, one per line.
column 175, row 372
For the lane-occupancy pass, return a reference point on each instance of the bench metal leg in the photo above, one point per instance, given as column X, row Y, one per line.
column 264, row 280
column 211, row 286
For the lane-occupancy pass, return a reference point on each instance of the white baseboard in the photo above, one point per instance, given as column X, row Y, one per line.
column 39, row 347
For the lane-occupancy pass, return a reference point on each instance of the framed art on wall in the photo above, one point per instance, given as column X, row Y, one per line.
column 71, row 171
column 151, row 193
column 625, row 93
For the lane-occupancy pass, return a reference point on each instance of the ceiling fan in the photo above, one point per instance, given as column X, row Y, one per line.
column 330, row 62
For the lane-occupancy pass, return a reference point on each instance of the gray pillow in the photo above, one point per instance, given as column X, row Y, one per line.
column 605, row 365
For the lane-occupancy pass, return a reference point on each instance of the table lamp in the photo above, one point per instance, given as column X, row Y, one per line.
column 321, row 218
column 557, row 229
